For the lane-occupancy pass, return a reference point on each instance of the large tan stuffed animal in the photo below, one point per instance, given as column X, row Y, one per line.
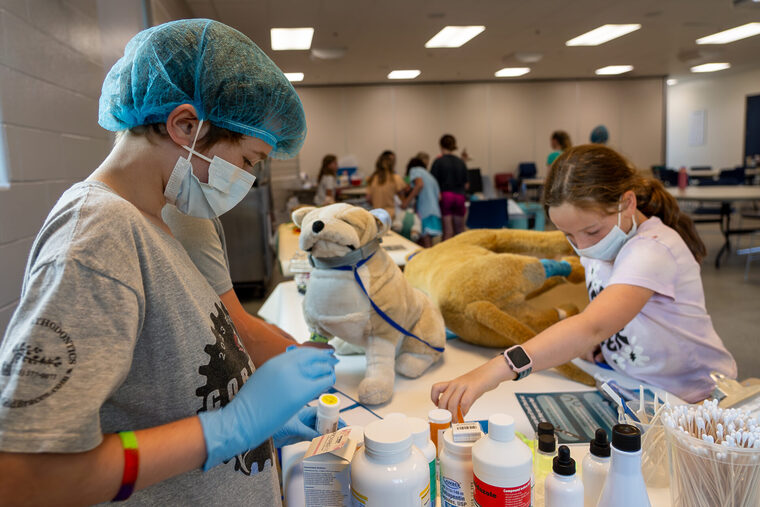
column 343, row 242
column 483, row 281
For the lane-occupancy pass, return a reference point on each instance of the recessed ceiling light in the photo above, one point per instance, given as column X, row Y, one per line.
column 294, row 76
column 611, row 70
column 453, row 36
column 671, row 82
column 731, row 35
column 403, row 74
column 291, row 38
column 512, row 71
column 711, row 67
column 604, row 33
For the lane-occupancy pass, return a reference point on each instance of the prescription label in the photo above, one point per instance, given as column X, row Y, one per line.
column 495, row 496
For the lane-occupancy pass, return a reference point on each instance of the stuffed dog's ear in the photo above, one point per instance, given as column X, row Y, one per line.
column 299, row 214
column 382, row 220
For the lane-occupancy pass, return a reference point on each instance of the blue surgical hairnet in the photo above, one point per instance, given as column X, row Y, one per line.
column 599, row 135
column 213, row 67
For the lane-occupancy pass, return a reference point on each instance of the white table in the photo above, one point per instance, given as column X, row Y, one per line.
column 351, row 192
column 412, row 396
column 397, row 246
column 725, row 195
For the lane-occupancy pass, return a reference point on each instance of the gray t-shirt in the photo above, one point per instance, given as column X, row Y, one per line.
column 203, row 239
column 117, row 330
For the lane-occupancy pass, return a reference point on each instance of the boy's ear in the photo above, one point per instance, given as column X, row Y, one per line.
column 299, row 214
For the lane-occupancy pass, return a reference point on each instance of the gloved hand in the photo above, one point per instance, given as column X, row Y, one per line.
column 273, row 394
column 556, row 268
column 300, row 427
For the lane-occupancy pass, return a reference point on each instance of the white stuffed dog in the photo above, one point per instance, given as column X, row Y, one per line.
column 353, row 277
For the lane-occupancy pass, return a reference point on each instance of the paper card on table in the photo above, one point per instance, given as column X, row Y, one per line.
column 358, row 416
column 575, row 415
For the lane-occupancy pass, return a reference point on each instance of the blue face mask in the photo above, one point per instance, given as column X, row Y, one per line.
column 607, row 248
column 227, row 185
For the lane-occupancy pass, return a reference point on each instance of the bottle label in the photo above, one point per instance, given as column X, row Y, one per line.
column 452, row 494
column 433, row 481
column 357, row 499
column 494, row 496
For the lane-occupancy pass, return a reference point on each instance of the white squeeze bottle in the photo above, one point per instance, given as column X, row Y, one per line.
column 625, row 486
column 421, row 439
column 389, row 470
column 563, row 487
column 502, row 466
column 595, row 466
column 456, row 471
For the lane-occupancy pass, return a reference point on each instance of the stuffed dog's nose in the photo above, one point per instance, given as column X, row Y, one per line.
column 317, row 226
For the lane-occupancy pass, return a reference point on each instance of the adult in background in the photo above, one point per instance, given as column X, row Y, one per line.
column 560, row 141
column 327, row 181
column 425, row 190
column 384, row 184
column 451, row 173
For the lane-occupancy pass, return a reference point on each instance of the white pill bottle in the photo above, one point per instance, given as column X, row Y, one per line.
column 388, row 470
column 421, row 439
column 502, row 466
column 456, row 472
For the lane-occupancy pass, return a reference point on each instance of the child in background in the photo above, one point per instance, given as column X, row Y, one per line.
column 425, row 190
column 384, row 184
column 647, row 314
column 327, row 181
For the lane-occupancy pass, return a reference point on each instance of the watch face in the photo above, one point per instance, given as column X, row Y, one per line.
column 518, row 357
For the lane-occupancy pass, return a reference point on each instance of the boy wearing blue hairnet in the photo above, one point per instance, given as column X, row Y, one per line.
column 121, row 373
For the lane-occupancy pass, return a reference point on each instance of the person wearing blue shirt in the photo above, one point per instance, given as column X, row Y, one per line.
column 425, row 189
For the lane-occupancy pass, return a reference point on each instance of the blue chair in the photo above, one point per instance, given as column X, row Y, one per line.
column 488, row 214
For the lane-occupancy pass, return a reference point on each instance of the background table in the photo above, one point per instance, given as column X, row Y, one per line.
column 725, row 195
column 412, row 396
column 397, row 246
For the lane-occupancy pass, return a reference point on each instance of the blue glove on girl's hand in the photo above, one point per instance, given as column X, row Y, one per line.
column 273, row 394
column 556, row 268
column 300, row 427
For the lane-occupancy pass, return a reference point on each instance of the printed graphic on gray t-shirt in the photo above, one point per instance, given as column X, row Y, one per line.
column 117, row 330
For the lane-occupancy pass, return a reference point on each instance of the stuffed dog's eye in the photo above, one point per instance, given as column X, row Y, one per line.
column 352, row 247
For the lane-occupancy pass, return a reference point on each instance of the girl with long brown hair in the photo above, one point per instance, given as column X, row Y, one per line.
column 384, row 184
column 641, row 256
column 327, row 181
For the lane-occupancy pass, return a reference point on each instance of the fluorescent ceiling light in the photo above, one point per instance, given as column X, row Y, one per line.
column 294, row 76
column 512, row 71
column 711, row 67
column 731, row 35
column 453, row 36
column 671, row 82
column 604, row 33
column 611, row 70
column 403, row 74
column 291, row 38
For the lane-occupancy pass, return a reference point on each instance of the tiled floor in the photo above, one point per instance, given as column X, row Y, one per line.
column 733, row 303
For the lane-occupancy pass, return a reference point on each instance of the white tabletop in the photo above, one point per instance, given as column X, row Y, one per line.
column 412, row 396
column 719, row 193
column 397, row 246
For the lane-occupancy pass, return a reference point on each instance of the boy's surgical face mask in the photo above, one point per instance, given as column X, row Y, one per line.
column 607, row 248
column 227, row 185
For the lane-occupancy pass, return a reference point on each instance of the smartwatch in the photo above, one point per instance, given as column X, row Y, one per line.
column 519, row 361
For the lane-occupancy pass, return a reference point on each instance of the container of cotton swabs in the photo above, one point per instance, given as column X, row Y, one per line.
column 714, row 456
column 647, row 417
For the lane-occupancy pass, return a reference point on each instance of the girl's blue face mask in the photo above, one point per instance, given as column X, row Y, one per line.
column 607, row 248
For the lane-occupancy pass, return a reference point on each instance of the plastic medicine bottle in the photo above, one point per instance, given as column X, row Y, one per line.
column 421, row 439
column 389, row 470
column 563, row 487
column 440, row 421
column 625, row 486
column 328, row 414
column 595, row 467
column 502, row 466
column 456, row 472
column 542, row 465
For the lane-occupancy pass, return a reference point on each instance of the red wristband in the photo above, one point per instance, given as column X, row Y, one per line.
column 131, row 465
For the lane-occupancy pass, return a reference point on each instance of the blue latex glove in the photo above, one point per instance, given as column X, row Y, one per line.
column 270, row 398
column 556, row 268
column 300, row 427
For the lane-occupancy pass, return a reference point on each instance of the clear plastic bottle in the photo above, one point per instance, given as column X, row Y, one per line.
column 421, row 439
column 542, row 465
column 388, row 469
column 328, row 413
column 456, row 472
column 563, row 487
column 502, row 466
column 595, row 467
column 625, row 486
